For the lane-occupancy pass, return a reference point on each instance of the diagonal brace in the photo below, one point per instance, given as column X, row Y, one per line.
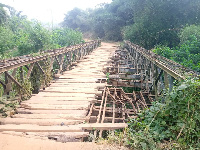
column 13, row 79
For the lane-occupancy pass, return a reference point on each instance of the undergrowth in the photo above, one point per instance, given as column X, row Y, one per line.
column 170, row 124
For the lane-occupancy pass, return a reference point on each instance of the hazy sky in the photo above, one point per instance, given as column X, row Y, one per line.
column 46, row 10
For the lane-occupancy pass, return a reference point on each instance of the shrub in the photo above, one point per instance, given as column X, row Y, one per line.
column 177, row 120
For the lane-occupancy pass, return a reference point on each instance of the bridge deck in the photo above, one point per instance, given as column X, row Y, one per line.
column 63, row 106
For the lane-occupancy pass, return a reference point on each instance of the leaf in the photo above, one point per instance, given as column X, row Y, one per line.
column 144, row 145
column 182, row 87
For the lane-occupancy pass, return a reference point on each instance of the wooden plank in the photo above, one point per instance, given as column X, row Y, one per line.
column 40, row 122
column 55, row 107
column 90, row 113
column 76, row 116
column 54, row 102
column 61, row 90
column 104, row 109
column 113, row 117
column 50, row 94
column 104, row 126
column 48, row 134
column 27, row 111
column 102, row 100
column 61, row 98
column 36, row 128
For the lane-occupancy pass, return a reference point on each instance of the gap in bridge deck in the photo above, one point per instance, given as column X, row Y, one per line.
column 125, row 95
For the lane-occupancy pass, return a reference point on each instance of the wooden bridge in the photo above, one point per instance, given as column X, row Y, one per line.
column 95, row 87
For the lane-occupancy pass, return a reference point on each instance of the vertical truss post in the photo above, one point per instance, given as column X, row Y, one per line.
column 30, row 70
column 7, row 84
column 60, row 59
column 166, row 80
column 21, row 74
column 171, row 83
column 155, row 84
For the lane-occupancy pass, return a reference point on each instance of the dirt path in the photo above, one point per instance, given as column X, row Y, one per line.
column 60, row 110
column 10, row 142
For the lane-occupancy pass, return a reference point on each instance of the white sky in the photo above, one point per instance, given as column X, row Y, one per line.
column 46, row 10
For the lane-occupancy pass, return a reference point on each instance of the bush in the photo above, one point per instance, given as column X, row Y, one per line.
column 164, row 51
column 189, row 34
column 32, row 37
column 188, row 51
column 177, row 120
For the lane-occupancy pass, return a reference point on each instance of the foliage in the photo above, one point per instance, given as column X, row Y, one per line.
column 61, row 35
column 188, row 52
column 26, row 89
column 164, row 51
column 158, row 22
column 19, row 36
column 190, row 33
column 107, row 77
column 177, row 120
column 32, row 37
column 3, row 15
column 6, row 40
column 77, row 19
column 106, row 21
column 147, row 23
column 37, row 79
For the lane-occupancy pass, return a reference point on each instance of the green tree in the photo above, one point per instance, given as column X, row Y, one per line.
column 65, row 37
column 6, row 40
column 3, row 15
column 159, row 22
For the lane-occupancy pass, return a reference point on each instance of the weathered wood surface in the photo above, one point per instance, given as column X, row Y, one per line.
column 64, row 105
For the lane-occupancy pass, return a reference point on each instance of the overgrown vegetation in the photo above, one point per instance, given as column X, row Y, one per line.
column 176, row 122
column 187, row 52
column 19, row 36
column 173, row 122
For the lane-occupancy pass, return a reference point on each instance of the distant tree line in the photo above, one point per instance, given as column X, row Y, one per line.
column 170, row 26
